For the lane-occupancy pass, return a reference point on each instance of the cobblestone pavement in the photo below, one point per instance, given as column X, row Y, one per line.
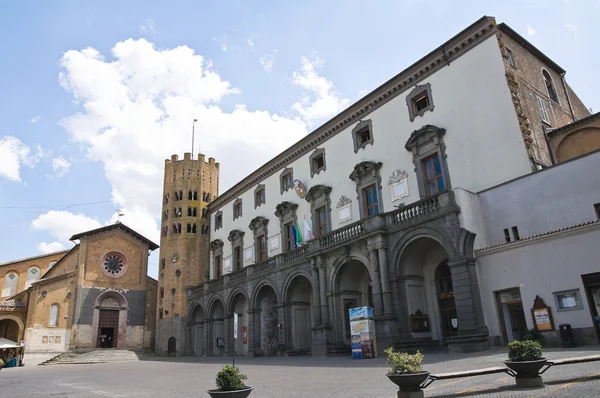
column 293, row 377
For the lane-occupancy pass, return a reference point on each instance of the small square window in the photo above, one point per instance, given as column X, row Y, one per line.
column 421, row 102
column 218, row 221
column 362, row 135
column 318, row 162
column 259, row 197
column 568, row 300
column 287, row 181
column 511, row 58
column 506, row 235
column 597, row 209
column 237, row 210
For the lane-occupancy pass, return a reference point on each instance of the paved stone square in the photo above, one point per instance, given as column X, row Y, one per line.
column 274, row 377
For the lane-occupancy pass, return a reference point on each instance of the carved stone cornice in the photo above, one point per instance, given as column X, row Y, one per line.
column 216, row 244
column 235, row 234
column 422, row 135
column 258, row 222
column 397, row 176
column 285, row 208
column 316, row 191
column 344, row 200
column 364, row 168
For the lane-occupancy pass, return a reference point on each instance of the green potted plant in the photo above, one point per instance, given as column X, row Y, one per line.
column 2, row 364
column 406, row 370
column 525, row 359
column 230, row 384
column 533, row 335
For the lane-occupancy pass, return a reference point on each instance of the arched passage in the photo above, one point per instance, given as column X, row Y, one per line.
column 352, row 288
column 10, row 329
column 197, row 331
column 298, row 300
column 239, row 305
column 172, row 347
column 266, row 322
column 217, row 328
column 423, row 266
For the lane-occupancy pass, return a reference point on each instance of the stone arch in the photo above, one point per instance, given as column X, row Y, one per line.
column 172, row 346
column 298, row 302
column 261, row 283
column 288, row 279
column 341, row 260
column 235, row 292
column 266, row 302
column 465, row 244
column 34, row 274
column 197, row 320
column 8, row 334
column 421, row 233
column 238, row 303
column 216, row 325
column 106, row 302
column 11, row 283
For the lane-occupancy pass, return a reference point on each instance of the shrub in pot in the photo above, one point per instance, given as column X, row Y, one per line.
column 525, row 359
column 533, row 335
column 406, row 370
column 230, row 383
column 1, row 364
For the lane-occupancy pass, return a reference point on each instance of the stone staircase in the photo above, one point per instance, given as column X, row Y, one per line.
column 96, row 356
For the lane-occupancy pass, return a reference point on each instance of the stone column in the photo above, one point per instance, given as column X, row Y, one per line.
column 251, row 332
column 316, row 299
column 385, row 281
column 377, row 300
column 323, row 290
column 227, row 334
column 473, row 334
column 281, row 326
column 207, row 332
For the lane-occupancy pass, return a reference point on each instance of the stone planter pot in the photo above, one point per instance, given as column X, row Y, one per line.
column 230, row 394
column 527, row 372
column 2, row 365
column 409, row 382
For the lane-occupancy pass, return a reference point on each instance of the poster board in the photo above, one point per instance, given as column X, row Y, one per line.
column 542, row 315
column 362, row 331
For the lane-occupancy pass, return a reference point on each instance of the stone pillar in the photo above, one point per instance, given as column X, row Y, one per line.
column 251, row 332
column 316, row 299
column 473, row 334
column 227, row 334
column 377, row 300
column 385, row 281
column 323, row 290
column 207, row 332
column 281, row 326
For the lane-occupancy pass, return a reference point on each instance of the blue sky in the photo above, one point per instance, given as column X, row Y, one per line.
column 95, row 95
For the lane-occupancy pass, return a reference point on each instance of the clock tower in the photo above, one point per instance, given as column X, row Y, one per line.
column 189, row 185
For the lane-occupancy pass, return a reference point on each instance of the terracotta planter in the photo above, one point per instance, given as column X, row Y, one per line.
column 230, row 394
column 526, row 369
column 409, row 381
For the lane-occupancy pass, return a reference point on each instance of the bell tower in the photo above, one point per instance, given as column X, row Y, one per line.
column 189, row 185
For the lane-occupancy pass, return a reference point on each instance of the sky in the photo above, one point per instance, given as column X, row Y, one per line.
column 95, row 95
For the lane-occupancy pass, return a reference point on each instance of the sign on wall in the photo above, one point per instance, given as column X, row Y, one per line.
column 542, row 315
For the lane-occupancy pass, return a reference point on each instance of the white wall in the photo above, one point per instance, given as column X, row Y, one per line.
column 472, row 102
column 541, row 267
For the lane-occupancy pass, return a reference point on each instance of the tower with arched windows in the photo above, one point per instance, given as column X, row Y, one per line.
column 189, row 185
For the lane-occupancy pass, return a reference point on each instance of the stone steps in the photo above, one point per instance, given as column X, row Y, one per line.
column 94, row 356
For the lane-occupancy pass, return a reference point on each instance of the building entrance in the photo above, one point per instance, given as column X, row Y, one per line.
column 108, row 325
column 591, row 282
column 514, row 325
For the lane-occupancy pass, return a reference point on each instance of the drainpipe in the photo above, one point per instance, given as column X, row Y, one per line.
column 562, row 78
column 550, row 151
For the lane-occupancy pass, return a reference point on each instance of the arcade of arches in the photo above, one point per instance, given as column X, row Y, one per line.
column 429, row 295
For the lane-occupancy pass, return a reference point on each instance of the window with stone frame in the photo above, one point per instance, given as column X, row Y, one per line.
column 542, row 109
column 286, row 212
column 54, row 315
column 366, row 175
column 419, row 101
column 237, row 208
column 511, row 58
column 218, row 220
column 320, row 208
column 236, row 237
column 362, row 135
column 317, row 162
column 259, row 195
column 429, row 157
column 216, row 248
column 550, row 86
column 286, row 179
column 259, row 227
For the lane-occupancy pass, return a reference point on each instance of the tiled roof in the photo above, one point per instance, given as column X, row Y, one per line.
column 585, row 120
column 12, row 305
column 538, row 236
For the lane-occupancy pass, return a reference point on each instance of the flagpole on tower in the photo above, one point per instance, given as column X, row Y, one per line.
column 193, row 125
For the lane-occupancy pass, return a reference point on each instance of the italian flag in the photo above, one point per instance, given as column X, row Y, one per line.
column 297, row 236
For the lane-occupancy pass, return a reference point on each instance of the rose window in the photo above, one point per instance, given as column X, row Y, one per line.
column 114, row 265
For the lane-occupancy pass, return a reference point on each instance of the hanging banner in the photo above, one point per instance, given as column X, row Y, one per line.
column 245, row 334
column 235, row 325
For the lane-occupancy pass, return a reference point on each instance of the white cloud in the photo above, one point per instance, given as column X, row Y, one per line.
column 250, row 43
column 63, row 224
column 35, row 119
column 323, row 102
column 530, row 30
column 267, row 61
column 137, row 109
column 571, row 27
column 60, row 167
column 14, row 153
column 148, row 26
column 51, row 247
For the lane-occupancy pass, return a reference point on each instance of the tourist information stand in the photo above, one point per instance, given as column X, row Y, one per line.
column 362, row 333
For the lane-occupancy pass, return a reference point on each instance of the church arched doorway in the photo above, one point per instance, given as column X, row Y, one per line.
column 109, row 323
column 172, row 347
column 9, row 329
column 446, row 303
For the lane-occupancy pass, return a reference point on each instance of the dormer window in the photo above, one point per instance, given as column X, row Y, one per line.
column 317, row 161
column 237, row 208
column 419, row 101
column 362, row 135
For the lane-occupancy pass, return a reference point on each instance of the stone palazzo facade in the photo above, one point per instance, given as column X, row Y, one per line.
column 298, row 301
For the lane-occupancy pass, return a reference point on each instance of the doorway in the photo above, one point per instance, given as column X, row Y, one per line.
column 446, row 303
column 172, row 347
column 512, row 316
column 108, row 325
column 591, row 284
